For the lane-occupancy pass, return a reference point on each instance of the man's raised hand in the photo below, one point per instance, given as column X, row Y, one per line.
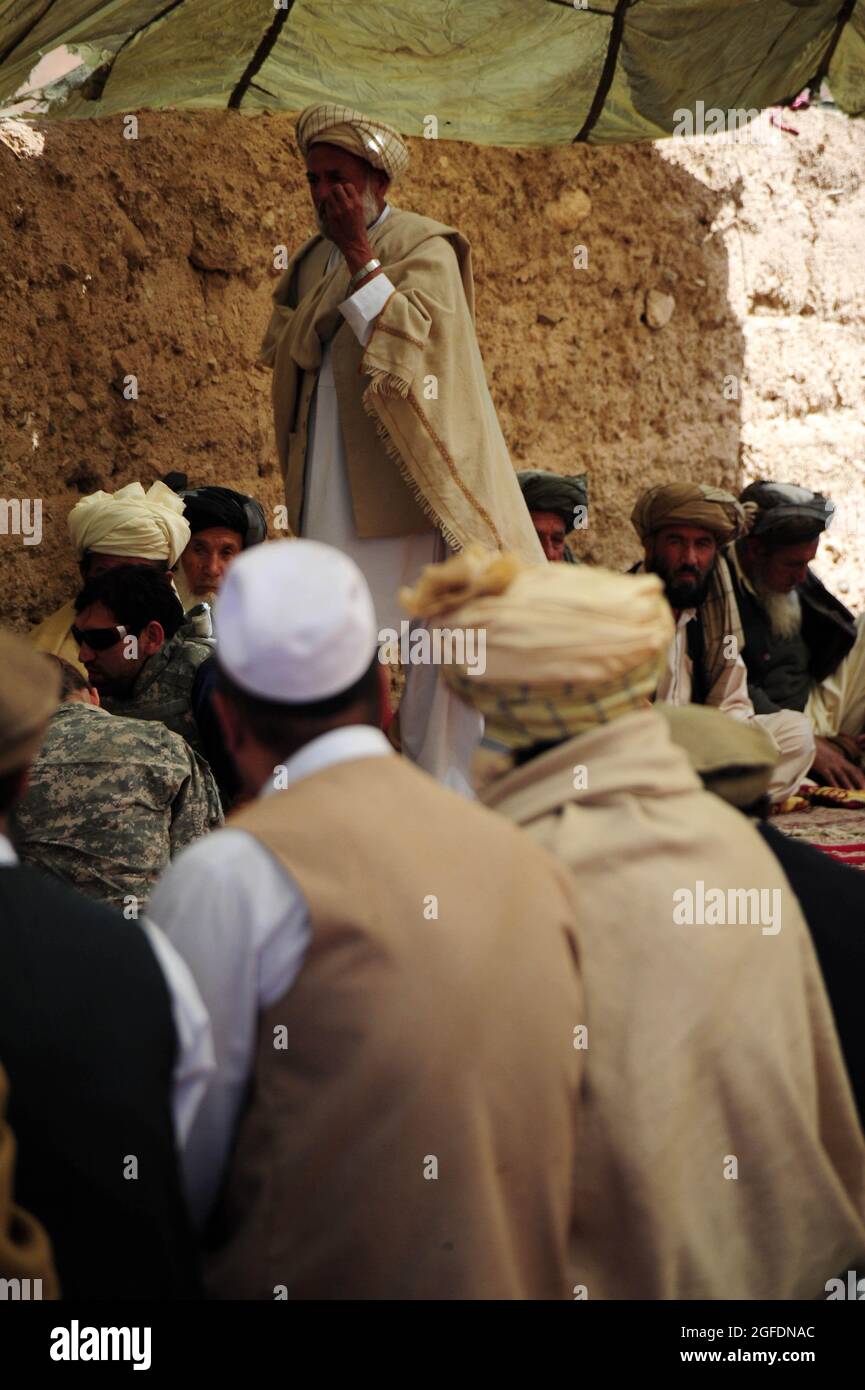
column 346, row 224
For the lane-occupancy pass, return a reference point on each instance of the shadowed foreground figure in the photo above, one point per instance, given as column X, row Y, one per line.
column 25, row 1250
column 106, row 1046
column 392, row 975
column 719, row 1151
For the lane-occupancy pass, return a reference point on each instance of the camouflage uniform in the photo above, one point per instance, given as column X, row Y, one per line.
column 163, row 687
column 110, row 801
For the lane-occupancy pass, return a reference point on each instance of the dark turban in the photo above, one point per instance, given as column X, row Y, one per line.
column 554, row 492
column 784, row 514
column 221, row 506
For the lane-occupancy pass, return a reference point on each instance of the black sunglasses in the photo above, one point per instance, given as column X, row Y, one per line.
column 98, row 638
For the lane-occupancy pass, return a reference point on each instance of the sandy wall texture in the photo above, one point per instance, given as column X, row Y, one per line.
column 154, row 257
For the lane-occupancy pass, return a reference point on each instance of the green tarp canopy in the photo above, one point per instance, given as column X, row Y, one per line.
column 504, row 72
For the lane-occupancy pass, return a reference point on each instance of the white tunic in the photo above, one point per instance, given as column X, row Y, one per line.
column 438, row 731
column 241, row 924
column 789, row 730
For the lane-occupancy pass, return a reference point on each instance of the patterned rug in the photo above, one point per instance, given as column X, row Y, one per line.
column 836, row 832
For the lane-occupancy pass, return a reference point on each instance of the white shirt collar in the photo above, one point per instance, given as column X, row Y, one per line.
column 8, row 857
column 336, row 746
column 382, row 215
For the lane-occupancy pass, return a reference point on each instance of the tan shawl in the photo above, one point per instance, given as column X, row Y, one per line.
column 705, row 1044
column 422, row 378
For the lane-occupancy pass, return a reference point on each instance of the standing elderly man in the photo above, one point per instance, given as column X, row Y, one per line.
column 719, row 1150
column 387, row 436
column 558, row 503
column 683, row 527
column 803, row 649
column 106, row 529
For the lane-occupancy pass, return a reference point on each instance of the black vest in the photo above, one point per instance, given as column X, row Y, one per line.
column 88, row 1041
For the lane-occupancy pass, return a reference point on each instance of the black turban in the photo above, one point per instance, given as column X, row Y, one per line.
column 785, row 514
column 221, row 506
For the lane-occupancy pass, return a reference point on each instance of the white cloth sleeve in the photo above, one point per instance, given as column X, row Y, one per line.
column 241, row 924
column 195, row 1063
column 362, row 308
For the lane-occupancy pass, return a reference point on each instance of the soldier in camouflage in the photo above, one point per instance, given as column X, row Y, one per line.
column 111, row 800
column 136, row 649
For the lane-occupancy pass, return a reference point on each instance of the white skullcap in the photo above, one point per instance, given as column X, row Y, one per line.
column 295, row 622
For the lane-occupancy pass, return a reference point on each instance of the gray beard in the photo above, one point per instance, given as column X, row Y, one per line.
column 784, row 611
column 370, row 212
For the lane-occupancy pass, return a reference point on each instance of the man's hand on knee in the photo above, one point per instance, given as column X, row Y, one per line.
column 832, row 769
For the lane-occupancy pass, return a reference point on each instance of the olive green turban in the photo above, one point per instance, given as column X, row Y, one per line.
column 554, row 492
column 689, row 504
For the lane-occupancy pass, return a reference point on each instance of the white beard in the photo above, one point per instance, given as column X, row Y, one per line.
column 784, row 612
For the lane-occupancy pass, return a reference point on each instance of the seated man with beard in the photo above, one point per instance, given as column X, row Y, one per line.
column 802, row 646
column 682, row 527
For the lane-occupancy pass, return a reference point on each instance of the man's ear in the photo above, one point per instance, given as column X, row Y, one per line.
column 91, row 695
column 151, row 638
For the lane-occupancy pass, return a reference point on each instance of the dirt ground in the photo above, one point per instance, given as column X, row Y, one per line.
column 712, row 325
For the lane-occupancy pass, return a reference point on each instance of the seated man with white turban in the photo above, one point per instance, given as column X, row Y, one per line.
column 558, row 503
column 387, row 436
column 106, row 529
column 710, row 1050
column 803, row 649
column 683, row 527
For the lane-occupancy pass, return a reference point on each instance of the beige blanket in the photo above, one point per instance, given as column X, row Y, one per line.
column 422, row 379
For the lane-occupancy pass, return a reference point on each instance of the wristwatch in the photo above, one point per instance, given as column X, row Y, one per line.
column 363, row 272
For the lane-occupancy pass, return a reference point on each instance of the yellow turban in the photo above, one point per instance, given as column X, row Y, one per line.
column 564, row 648
column 689, row 504
column 379, row 144
column 29, row 695
column 147, row 525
